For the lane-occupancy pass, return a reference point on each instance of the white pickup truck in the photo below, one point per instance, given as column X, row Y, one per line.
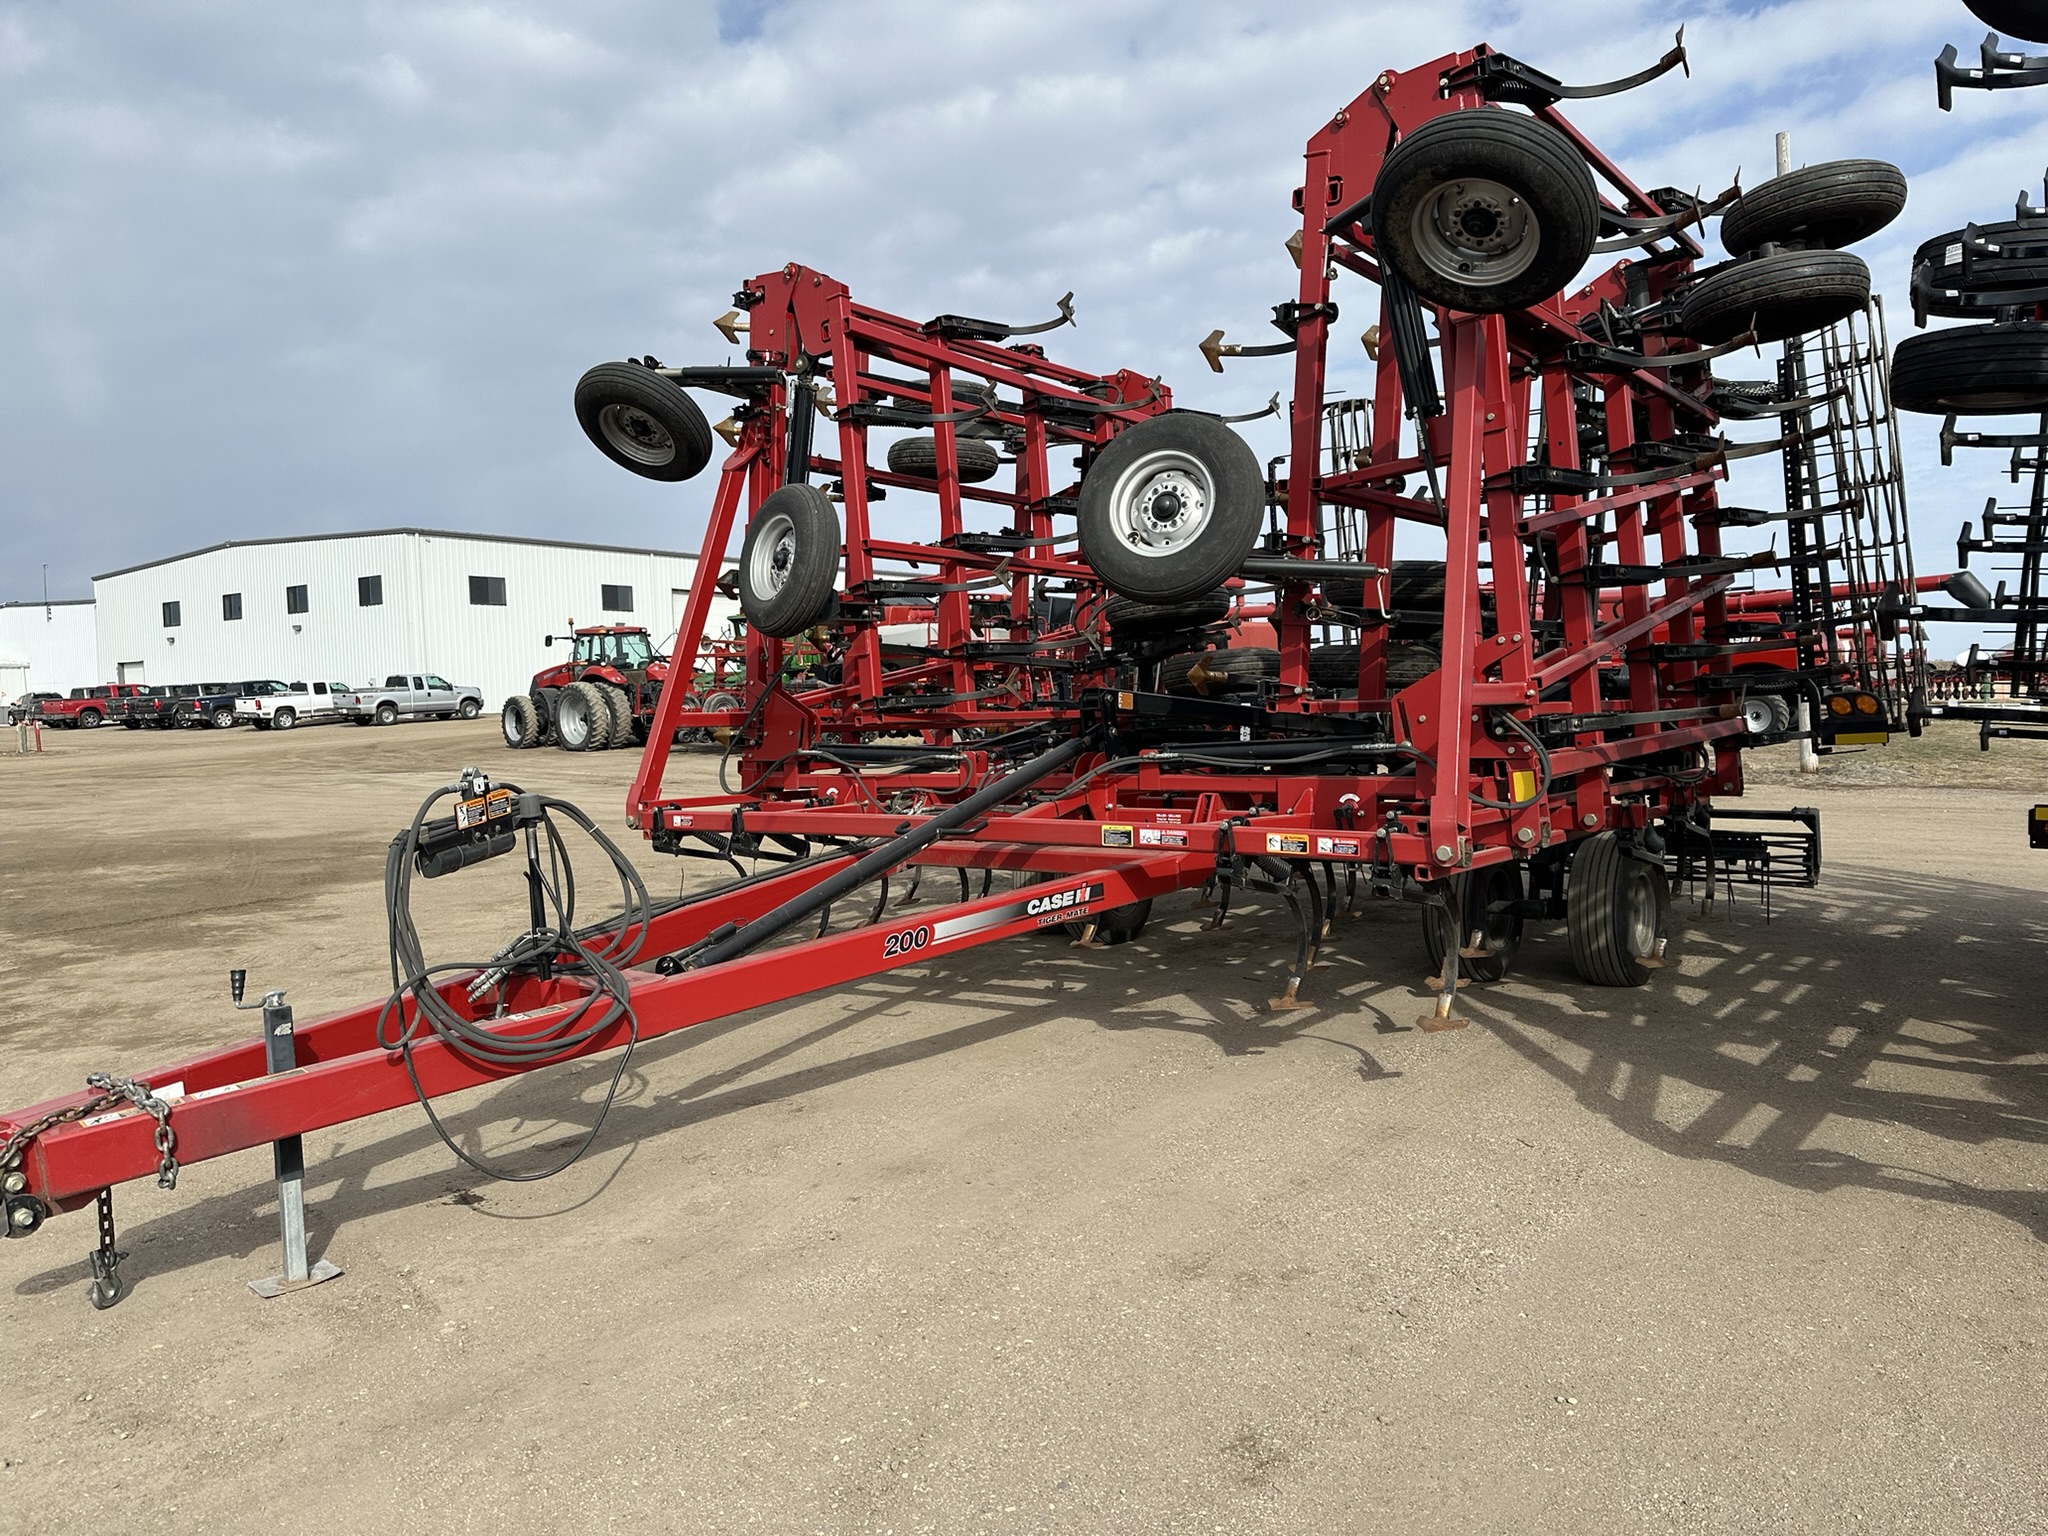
column 418, row 694
column 305, row 704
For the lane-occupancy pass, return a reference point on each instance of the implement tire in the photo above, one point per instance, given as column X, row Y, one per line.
column 789, row 561
column 1614, row 910
column 1833, row 204
column 2024, row 19
column 1170, row 509
column 917, row 458
column 1485, row 210
column 1973, row 370
column 642, row 422
column 1778, row 297
column 1501, row 935
column 1233, row 671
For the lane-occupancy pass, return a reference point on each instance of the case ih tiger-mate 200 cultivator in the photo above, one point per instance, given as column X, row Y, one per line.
column 1074, row 694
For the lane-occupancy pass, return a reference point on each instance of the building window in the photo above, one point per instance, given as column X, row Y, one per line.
column 231, row 606
column 487, row 591
column 294, row 599
column 369, row 591
column 173, row 616
column 617, row 599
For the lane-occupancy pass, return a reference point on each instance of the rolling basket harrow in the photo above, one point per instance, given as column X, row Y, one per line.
column 1055, row 704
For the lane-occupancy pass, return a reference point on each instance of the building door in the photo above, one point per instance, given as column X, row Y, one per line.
column 128, row 672
column 678, row 599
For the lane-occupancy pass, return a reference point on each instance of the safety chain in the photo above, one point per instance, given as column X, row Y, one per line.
column 109, row 1091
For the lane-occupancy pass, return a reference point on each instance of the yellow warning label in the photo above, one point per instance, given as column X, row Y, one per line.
column 1286, row 842
column 1521, row 786
column 1862, row 738
column 2041, row 813
column 1115, row 836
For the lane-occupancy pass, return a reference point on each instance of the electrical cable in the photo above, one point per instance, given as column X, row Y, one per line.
column 557, row 949
column 1542, row 770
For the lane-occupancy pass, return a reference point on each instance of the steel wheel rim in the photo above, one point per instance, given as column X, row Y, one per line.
column 1757, row 716
column 572, row 720
column 1639, row 915
column 1476, row 232
column 774, row 553
column 1161, row 503
column 636, row 435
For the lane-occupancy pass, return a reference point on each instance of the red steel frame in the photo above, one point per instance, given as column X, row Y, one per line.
column 1110, row 833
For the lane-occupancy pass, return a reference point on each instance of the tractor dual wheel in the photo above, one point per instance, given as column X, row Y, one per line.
column 1485, row 210
column 642, row 422
column 1778, row 297
column 917, row 458
column 1614, row 911
column 789, row 561
column 1973, row 370
column 520, row 721
column 583, row 719
column 1479, row 903
column 2024, row 19
column 1171, row 508
column 1830, row 205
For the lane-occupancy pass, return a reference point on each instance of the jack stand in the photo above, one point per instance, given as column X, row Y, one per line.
column 105, row 1260
column 288, row 1156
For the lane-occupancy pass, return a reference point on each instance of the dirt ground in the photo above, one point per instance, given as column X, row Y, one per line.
column 1041, row 1239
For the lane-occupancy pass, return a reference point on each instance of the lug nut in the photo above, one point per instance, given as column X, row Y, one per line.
column 22, row 1216
column 14, row 1183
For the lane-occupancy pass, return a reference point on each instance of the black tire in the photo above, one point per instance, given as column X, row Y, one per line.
column 1614, row 910
column 625, row 727
column 2024, row 19
column 1119, row 925
column 284, row 719
column 583, row 721
column 1170, row 509
column 1408, row 663
column 469, row 709
column 1485, row 210
column 89, row 719
column 789, row 561
column 1973, row 370
column 1833, row 204
column 918, row 458
column 1471, row 896
column 520, row 722
column 1778, row 297
column 1128, row 616
column 1232, row 671
column 1942, row 287
column 131, row 725
column 1333, row 666
column 642, row 422
column 222, row 719
column 1781, row 712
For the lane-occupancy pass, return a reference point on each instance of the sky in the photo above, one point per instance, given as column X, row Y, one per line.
column 271, row 269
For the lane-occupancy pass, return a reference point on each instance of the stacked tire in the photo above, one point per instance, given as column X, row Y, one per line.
column 1995, row 367
column 1790, row 275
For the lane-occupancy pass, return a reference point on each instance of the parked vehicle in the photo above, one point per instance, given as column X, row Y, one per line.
column 155, row 707
column 306, row 704
column 23, row 707
column 421, row 695
column 602, row 696
column 84, row 708
column 212, row 705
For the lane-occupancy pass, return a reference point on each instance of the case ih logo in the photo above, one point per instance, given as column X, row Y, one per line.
column 1048, row 907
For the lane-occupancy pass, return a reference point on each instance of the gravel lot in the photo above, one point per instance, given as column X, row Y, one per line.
column 1047, row 1239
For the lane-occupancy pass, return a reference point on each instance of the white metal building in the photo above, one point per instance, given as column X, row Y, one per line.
column 350, row 607
column 47, row 646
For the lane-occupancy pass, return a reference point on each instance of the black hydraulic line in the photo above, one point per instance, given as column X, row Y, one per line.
column 737, row 941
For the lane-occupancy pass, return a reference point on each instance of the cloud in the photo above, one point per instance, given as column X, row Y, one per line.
column 274, row 269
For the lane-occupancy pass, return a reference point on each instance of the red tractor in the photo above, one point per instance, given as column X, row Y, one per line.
column 602, row 696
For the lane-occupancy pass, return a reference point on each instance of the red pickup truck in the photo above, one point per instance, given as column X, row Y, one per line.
column 84, row 708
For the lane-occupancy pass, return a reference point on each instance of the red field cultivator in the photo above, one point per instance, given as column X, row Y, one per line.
column 1121, row 657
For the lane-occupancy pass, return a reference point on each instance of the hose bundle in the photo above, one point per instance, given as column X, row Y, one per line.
column 553, row 946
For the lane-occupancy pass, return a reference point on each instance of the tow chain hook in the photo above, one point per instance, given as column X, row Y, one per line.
column 107, row 1286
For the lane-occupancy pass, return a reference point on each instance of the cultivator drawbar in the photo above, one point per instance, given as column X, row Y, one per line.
column 1475, row 642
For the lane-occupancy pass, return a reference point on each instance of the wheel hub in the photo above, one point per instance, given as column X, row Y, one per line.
column 1161, row 503
column 1476, row 231
column 636, row 434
